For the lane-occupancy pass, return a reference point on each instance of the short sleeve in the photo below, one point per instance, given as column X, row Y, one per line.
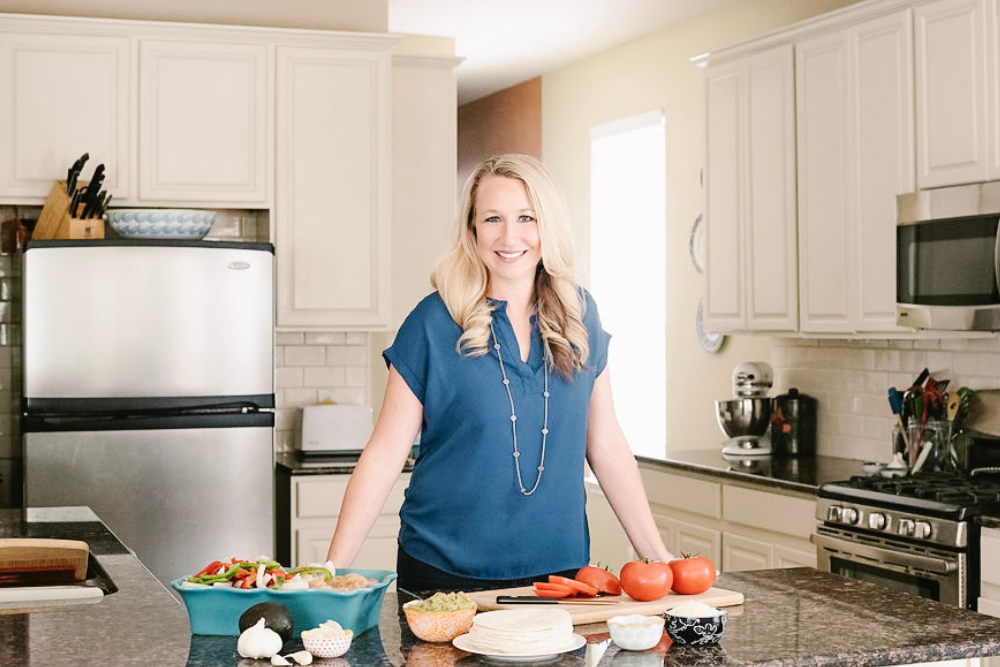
column 598, row 338
column 410, row 353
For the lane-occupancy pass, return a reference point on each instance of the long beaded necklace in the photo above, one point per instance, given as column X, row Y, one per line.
column 513, row 418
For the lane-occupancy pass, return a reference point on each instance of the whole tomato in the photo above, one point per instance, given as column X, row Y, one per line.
column 692, row 575
column 645, row 580
column 604, row 581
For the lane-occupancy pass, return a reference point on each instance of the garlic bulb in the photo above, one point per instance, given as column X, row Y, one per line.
column 258, row 641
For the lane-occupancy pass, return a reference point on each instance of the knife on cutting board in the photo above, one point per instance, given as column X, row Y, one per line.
column 531, row 599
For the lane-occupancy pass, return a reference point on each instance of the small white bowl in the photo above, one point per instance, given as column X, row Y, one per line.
column 161, row 223
column 636, row 632
column 872, row 468
column 327, row 647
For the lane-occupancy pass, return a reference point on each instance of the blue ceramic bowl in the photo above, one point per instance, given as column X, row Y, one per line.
column 216, row 610
column 696, row 631
column 161, row 223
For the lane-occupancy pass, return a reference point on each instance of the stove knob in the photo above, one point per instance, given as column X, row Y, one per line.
column 876, row 521
column 833, row 513
column 849, row 515
column 906, row 527
column 922, row 530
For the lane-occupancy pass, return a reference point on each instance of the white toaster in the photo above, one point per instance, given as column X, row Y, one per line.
column 335, row 428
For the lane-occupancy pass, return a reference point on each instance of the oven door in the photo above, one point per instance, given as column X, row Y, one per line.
column 929, row 572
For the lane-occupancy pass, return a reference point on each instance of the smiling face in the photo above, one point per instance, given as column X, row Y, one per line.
column 507, row 237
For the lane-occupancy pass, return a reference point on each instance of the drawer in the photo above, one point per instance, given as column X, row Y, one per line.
column 770, row 511
column 683, row 493
column 319, row 496
column 323, row 495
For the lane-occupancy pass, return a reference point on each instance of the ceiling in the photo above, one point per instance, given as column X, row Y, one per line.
column 505, row 42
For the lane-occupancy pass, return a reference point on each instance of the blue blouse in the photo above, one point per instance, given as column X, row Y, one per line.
column 463, row 511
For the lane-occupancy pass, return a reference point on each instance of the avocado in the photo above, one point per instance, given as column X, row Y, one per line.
column 276, row 617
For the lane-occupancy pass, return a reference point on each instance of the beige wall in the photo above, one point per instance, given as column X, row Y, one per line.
column 650, row 73
column 364, row 16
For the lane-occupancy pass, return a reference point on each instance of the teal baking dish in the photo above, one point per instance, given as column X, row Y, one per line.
column 216, row 610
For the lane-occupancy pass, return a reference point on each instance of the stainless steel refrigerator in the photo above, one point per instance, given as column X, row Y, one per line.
column 147, row 395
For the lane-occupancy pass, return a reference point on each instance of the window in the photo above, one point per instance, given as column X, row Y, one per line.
column 628, row 269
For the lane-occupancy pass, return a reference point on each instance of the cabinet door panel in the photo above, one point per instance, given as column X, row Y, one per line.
column 203, row 122
column 772, row 267
column 724, row 307
column 786, row 557
column 697, row 540
column 63, row 96
column 333, row 171
column 951, row 92
column 311, row 544
column 743, row 553
column 884, row 163
column 824, row 244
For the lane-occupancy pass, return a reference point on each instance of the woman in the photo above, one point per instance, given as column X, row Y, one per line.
column 503, row 373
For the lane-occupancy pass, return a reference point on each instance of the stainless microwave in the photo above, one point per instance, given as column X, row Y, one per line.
column 947, row 258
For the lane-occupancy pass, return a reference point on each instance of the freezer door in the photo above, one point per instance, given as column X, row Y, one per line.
column 107, row 321
column 179, row 498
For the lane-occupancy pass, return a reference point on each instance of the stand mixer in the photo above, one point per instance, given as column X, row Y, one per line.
column 745, row 418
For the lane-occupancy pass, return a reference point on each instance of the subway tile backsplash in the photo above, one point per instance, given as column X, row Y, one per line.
column 314, row 367
column 851, row 379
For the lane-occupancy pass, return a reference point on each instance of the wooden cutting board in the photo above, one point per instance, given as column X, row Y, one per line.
column 584, row 613
column 28, row 561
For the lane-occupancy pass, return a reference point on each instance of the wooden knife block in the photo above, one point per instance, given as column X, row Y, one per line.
column 26, row 561
column 55, row 221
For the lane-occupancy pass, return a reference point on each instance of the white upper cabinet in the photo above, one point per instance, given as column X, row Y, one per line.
column 955, row 108
column 751, row 283
column 203, row 120
column 333, row 221
column 855, row 154
column 63, row 95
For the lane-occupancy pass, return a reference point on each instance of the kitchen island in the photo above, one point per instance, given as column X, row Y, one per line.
column 790, row 618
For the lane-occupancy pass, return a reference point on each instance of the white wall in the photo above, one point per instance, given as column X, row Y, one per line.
column 654, row 72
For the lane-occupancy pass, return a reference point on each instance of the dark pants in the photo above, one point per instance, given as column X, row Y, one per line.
column 422, row 579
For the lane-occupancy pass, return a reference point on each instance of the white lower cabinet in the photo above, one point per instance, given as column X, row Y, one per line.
column 989, row 577
column 314, row 503
column 738, row 527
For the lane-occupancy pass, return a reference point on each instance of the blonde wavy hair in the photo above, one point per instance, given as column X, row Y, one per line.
column 462, row 279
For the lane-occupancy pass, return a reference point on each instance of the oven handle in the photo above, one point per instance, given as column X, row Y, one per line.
column 935, row 565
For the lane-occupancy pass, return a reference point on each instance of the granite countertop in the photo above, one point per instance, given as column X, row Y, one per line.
column 790, row 618
column 295, row 464
column 794, row 473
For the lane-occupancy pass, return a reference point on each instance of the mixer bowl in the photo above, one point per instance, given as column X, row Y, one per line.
column 743, row 416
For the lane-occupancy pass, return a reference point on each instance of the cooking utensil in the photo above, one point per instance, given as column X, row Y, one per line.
column 896, row 405
column 74, row 174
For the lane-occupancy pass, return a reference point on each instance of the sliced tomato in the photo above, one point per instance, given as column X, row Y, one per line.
column 550, row 594
column 552, row 590
column 579, row 587
column 602, row 579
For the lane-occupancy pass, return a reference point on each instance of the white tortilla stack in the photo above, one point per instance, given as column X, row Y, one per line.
column 527, row 631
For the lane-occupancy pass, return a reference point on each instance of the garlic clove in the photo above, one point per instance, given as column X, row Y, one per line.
column 278, row 660
column 302, row 657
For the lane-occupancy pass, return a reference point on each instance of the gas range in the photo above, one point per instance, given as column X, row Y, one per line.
column 929, row 507
column 916, row 533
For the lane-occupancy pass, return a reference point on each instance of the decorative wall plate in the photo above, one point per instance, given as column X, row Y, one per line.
column 710, row 342
column 696, row 245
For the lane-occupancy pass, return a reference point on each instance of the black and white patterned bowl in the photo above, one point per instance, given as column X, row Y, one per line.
column 161, row 223
column 696, row 631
